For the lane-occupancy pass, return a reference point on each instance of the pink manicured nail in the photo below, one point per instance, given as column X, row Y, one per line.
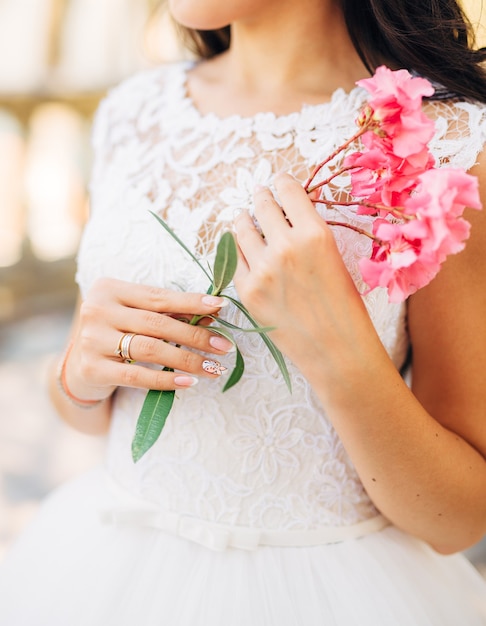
column 284, row 173
column 215, row 301
column 258, row 188
column 186, row 381
column 220, row 343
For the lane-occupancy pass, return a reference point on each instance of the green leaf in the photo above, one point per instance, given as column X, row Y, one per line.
column 274, row 351
column 258, row 329
column 237, row 372
column 225, row 262
column 151, row 420
column 181, row 243
column 223, row 332
column 239, row 367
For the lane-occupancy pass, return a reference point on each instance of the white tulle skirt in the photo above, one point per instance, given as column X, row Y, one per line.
column 69, row 569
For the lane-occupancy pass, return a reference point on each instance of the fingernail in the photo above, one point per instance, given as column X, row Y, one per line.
column 258, row 188
column 213, row 367
column 284, row 174
column 215, row 301
column 220, row 343
column 186, row 381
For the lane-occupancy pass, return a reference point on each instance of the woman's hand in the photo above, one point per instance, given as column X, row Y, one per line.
column 420, row 458
column 294, row 278
column 158, row 318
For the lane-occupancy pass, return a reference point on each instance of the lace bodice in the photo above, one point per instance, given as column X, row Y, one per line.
column 255, row 455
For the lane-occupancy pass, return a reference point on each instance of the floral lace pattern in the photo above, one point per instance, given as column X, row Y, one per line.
column 255, row 455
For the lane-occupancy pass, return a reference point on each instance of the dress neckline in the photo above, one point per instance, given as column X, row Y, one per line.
column 356, row 95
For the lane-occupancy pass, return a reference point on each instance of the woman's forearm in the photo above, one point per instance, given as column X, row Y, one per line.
column 426, row 479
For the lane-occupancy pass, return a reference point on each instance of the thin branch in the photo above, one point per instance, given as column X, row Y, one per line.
column 356, row 229
column 342, row 147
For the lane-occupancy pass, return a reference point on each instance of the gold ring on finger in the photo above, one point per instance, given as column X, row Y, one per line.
column 123, row 348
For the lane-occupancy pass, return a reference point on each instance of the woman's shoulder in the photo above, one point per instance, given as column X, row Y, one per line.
column 148, row 81
column 146, row 90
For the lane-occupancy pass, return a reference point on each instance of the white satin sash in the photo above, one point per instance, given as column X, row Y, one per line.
column 132, row 511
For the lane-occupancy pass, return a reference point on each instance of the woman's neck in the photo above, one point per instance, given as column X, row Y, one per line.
column 296, row 48
column 278, row 61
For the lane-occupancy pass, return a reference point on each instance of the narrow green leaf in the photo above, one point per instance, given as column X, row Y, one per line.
column 258, row 329
column 239, row 367
column 225, row 262
column 223, row 332
column 181, row 243
column 151, row 420
column 274, row 351
column 237, row 372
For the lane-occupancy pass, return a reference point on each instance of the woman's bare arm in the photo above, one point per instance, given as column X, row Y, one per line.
column 421, row 457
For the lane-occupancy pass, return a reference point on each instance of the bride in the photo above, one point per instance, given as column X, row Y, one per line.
column 344, row 502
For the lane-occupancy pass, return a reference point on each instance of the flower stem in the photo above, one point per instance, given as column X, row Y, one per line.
column 328, row 180
column 356, row 229
column 342, row 147
column 393, row 211
column 369, row 205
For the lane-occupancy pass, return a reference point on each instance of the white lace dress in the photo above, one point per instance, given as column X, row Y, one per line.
column 247, row 511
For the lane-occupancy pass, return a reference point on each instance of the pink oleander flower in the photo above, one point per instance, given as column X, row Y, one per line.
column 396, row 102
column 438, row 202
column 406, row 256
column 448, row 191
column 417, row 207
column 384, row 178
column 399, row 262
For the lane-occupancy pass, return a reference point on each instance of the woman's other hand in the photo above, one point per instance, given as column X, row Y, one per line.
column 294, row 278
column 158, row 319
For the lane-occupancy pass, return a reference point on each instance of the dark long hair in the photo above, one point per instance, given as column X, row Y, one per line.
column 433, row 38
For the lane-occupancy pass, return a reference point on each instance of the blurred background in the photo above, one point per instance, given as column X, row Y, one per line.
column 57, row 59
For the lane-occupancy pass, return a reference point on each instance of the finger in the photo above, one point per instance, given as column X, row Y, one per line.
column 250, row 241
column 297, row 205
column 144, row 378
column 204, row 321
column 149, row 350
column 242, row 269
column 164, row 327
column 155, row 298
column 268, row 212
